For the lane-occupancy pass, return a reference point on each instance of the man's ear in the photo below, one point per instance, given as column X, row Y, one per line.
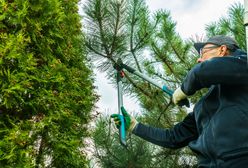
column 223, row 50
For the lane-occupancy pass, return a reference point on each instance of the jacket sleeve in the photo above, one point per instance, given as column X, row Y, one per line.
column 226, row 70
column 178, row 136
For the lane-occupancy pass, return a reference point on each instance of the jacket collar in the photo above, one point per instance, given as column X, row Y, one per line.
column 239, row 53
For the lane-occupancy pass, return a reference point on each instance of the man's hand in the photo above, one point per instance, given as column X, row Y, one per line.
column 130, row 122
column 180, row 98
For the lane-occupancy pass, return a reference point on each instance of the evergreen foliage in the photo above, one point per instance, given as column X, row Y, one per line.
column 232, row 24
column 109, row 151
column 132, row 26
column 46, row 91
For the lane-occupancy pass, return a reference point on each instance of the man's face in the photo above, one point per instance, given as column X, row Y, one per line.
column 209, row 51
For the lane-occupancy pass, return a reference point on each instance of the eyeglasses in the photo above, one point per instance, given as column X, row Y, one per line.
column 206, row 49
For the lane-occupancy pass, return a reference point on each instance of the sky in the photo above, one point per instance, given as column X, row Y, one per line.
column 191, row 17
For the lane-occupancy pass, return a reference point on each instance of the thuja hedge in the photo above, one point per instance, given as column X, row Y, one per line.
column 46, row 90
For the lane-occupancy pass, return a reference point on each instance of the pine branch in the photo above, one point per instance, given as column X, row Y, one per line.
column 162, row 58
column 136, row 61
column 113, row 45
column 177, row 54
column 164, row 110
column 133, row 23
column 141, row 41
column 164, row 79
column 136, row 86
column 96, row 52
column 100, row 26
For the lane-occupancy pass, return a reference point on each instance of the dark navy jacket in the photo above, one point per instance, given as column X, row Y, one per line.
column 217, row 129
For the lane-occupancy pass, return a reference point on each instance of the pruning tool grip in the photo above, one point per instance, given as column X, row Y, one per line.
column 122, row 131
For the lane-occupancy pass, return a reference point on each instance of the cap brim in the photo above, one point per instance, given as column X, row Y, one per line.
column 198, row 46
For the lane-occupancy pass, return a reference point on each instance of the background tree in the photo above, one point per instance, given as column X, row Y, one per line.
column 124, row 29
column 46, row 91
column 232, row 25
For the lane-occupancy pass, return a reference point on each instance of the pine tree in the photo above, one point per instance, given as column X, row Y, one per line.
column 46, row 91
column 123, row 29
column 232, row 25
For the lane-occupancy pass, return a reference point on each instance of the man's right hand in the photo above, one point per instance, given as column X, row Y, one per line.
column 130, row 122
column 180, row 98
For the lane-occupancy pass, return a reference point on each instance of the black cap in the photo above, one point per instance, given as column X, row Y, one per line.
column 218, row 40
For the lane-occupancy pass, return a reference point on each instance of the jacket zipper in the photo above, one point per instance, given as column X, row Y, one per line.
column 206, row 148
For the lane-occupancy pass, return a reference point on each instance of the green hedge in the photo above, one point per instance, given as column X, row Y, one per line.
column 46, row 91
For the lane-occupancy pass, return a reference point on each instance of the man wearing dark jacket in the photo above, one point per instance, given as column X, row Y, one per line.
column 217, row 129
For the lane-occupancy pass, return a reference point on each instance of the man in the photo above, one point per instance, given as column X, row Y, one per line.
column 217, row 129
